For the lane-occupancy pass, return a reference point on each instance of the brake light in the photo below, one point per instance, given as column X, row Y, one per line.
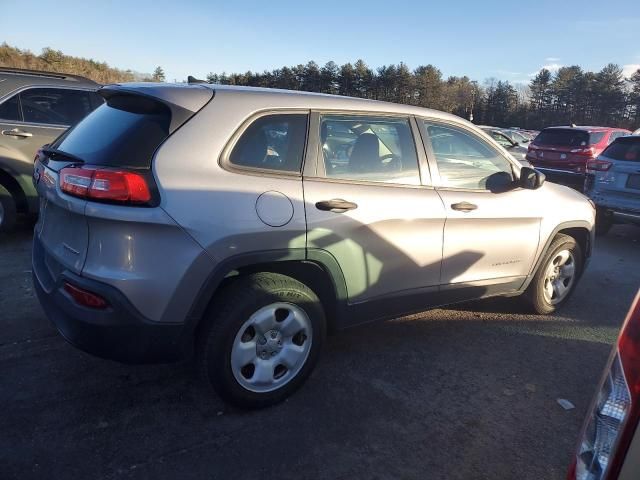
column 585, row 152
column 598, row 165
column 614, row 414
column 105, row 185
column 84, row 297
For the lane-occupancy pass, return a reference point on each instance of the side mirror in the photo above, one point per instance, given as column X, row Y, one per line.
column 531, row 179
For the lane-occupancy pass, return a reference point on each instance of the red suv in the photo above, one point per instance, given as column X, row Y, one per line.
column 562, row 153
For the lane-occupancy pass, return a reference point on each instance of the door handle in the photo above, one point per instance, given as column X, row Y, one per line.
column 464, row 206
column 336, row 205
column 17, row 133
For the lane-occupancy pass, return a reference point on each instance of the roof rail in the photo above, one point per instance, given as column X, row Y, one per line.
column 42, row 73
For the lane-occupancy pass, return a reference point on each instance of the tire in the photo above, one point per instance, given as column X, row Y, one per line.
column 255, row 326
column 537, row 294
column 7, row 210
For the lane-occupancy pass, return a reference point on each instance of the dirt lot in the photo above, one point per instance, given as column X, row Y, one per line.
column 468, row 392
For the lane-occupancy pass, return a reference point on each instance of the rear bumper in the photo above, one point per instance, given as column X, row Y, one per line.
column 622, row 215
column 118, row 332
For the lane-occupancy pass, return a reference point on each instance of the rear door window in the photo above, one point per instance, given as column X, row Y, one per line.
column 626, row 149
column 272, row 142
column 369, row 148
column 55, row 106
column 10, row 110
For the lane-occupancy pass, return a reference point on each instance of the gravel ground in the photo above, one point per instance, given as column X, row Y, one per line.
column 466, row 392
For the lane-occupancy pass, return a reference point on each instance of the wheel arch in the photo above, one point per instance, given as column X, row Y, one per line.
column 581, row 231
column 317, row 269
column 15, row 189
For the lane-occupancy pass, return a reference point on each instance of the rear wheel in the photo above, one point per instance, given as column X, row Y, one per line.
column 262, row 339
column 7, row 210
column 556, row 277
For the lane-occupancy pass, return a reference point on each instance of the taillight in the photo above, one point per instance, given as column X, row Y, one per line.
column 598, row 165
column 586, row 152
column 107, row 185
column 84, row 297
column 614, row 414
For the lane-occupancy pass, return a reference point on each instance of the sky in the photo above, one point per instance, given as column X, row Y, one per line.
column 507, row 40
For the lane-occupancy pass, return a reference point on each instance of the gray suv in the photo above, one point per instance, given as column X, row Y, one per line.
column 244, row 224
column 35, row 108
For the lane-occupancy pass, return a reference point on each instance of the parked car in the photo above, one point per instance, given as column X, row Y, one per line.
column 518, row 151
column 562, row 153
column 519, row 136
column 609, row 444
column 613, row 183
column 246, row 224
column 35, row 108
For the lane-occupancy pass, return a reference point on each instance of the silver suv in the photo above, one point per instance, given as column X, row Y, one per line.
column 243, row 224
column 35, row 108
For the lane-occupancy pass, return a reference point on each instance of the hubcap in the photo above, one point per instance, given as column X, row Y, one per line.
column 271, row 347
column 559, row 277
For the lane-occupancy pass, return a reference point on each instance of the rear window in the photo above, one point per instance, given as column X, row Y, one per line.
column 124, row 132
column 626, row 149
column 568, row 137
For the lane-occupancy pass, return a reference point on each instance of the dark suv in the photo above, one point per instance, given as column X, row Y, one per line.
column 562, row 153
column 35, row 108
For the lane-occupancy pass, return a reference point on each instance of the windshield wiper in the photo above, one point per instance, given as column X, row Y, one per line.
column 60, row 153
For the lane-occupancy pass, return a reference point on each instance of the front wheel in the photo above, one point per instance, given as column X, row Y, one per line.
column 556, row 277
column 262, row 339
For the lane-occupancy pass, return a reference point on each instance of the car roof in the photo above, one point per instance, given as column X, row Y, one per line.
column 585, row 128
column 12, row 79
column 327, row 101
column 255, row 98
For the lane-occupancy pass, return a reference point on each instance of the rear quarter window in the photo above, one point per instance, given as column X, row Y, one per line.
column 272, row 142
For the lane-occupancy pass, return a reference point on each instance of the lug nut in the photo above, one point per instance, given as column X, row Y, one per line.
column 274, row 334
column 273, row 354
column 262, row 341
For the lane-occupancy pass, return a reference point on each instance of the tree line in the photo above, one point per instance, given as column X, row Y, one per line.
column 51, row 60
column 570, row 95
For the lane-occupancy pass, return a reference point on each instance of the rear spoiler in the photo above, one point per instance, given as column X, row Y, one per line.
column 182, row 100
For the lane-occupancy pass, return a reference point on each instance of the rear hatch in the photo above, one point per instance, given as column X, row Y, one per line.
column 617, row 174
column 566, row 149
column 118, row 138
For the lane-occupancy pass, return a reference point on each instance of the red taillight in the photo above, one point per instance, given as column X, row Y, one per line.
column 105, row 185
column 84, row 297
column 598, row 165
column 585, row 152
column 613, row 417
column 629, row 352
